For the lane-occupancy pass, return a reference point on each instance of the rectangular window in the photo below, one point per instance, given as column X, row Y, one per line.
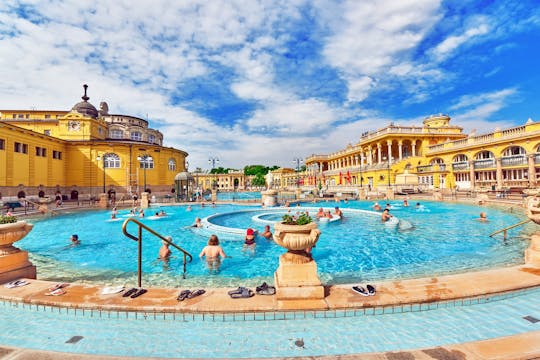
column 41, row 151
column 47, row 116
column 14, row 116
column 2, row 144
column 21, row 116
column 20, row 148
column 57, row 155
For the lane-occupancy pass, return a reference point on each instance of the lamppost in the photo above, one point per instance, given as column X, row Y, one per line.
column 213, row 160
column 103, row 157
column 146, row 161
column 360, row 171
column 297, row 161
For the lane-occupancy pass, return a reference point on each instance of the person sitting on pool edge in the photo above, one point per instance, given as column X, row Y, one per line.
column 249, row 240
column 213, row 252
column 267, row 233
column 385, row 216
column 75, row 239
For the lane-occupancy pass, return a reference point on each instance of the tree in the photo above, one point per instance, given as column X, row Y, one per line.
column 259, row 180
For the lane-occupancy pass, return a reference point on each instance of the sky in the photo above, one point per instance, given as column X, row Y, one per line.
column 269, row 81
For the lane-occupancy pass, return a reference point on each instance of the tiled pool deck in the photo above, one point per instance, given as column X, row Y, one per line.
column 392, row 296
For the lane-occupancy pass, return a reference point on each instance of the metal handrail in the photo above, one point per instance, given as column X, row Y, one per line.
column 138, row 238
column 508, row 228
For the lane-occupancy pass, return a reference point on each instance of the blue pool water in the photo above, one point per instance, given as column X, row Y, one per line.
column 445, row 238
column 239, row 196
column 230, row 336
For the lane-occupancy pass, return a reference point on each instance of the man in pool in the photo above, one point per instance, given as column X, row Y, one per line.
column 75, row 240
column 198, row 223
column 338, row 212
column 385, row 216
column 267, row 233
column 483, row 217
column 214, row 253
column 164, row 251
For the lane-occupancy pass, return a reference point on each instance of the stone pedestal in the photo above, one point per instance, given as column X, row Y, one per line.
column 269, row 197
column 362, row 194
column 437, row 195
column 297, row 193
column 214, row 195
column 14, row 263
column 390, row 195
column 103, row 201
column 532, row 254
column 296, row 280
column 144, row 200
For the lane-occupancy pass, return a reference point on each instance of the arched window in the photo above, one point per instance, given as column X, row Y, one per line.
column 460, row 158
column 172, row 165
column 147, row 162
column 484, row 155
column 136, row 135
column 437, row 161
column 514, row 150
column 151, row 139
column 116, row 134
column 111, row 161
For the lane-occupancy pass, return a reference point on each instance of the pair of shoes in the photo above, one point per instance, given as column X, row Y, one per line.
column 58, row 286
column 369, row 292
column 112, row 289
column 130, row 292
column 56, row 292
column 139, row 293
column 265, row 289
column 183, row 295
column 196, row 293
column 237, row 291
column 16, row 283
column 244, row 293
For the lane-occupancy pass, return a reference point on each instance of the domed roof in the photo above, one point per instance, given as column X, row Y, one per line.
column 84, row 107
column 183, row 176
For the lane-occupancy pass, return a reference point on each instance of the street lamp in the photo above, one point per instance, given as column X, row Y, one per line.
column 388, row 169
column 103, row 157
column 297, row 161
column 146, row 161
column 213, row 160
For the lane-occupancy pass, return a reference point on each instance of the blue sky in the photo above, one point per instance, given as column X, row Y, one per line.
column 263, row 82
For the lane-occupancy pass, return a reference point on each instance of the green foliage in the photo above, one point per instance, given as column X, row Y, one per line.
column 258, row 180
column 219, row 170
column 255, row 170
column 4, row 219
column 302, row 219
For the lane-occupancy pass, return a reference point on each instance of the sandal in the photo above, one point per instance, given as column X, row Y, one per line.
column 183, row 295
column 138, row 293
column 359, row 289
column 129, row 292
column 196, row 293
column 237, row 291
column 246, row 293
column 56, row 292
column 58, row 286
column 268, row 290
column 371, row 290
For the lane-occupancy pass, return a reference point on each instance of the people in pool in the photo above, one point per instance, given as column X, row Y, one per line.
column 164, row 251
column 385, row 216
column 483, row 217
column 377, row 207
column 198, row 223
column 267, row 233
column 113, row 213
column 320, row 213
column 188, row 208
column 249, row 240
column 328, row 214
column 141, row 213
column 213, row 252
column 405, row 202
column 338, row 212
column 75, row 239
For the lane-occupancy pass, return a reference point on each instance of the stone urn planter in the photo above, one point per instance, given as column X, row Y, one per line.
column 297, row 284
column 532, row 209
column 14, row 263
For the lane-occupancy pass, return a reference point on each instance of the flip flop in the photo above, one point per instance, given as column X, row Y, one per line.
column 263, row 286
column 129, row 292
column 58, row 286
column 196, row 293
column 371, row 290
column 138, row 293
column 268, row 290
column 112, row 289
column 183, row 295
column 237, row 291
column 16, row 283
column 57, row 292
column 359, row 289
column 246, row 293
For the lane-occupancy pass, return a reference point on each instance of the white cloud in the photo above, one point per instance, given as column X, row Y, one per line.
column 451, row 43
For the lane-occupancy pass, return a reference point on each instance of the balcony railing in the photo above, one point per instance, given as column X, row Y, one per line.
column 462, row 165
column 484, row 163
column 514, row 160
column 424, row 168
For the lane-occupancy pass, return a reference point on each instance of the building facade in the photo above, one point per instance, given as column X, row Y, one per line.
column 440, row 154
column 83, row 151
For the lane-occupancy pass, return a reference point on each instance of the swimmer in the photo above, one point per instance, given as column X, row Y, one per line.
column 249, row 240
column 328, row 214
column 377, row 207
column 162, row 213
column 320, row 213
column 198, row 223
column 213, row 252
column 188, row 208
column 267, row 233
column 75, row 239
column 405, row 202
column 483, row 217
column 141, row 213
column 338, row 212
column 385, row 216
column 164, row 251
column 113, row 213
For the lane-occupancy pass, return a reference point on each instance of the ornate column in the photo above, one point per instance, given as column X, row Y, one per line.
column 400, row 149
column 389, row 144
column 471, row 174
column 413, row 147
column 499, row 173
column 370, row 158
column 379, row 156
column 532, row 170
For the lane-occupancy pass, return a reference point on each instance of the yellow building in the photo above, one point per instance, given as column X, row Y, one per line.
column 440, row 154
column 232, row 181
column 83, row 152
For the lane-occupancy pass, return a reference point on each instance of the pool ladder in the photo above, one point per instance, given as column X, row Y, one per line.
column 509, row 227
column 139, row 238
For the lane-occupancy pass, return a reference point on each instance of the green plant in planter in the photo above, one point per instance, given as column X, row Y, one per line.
column 302, row 219
column 6, row 219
